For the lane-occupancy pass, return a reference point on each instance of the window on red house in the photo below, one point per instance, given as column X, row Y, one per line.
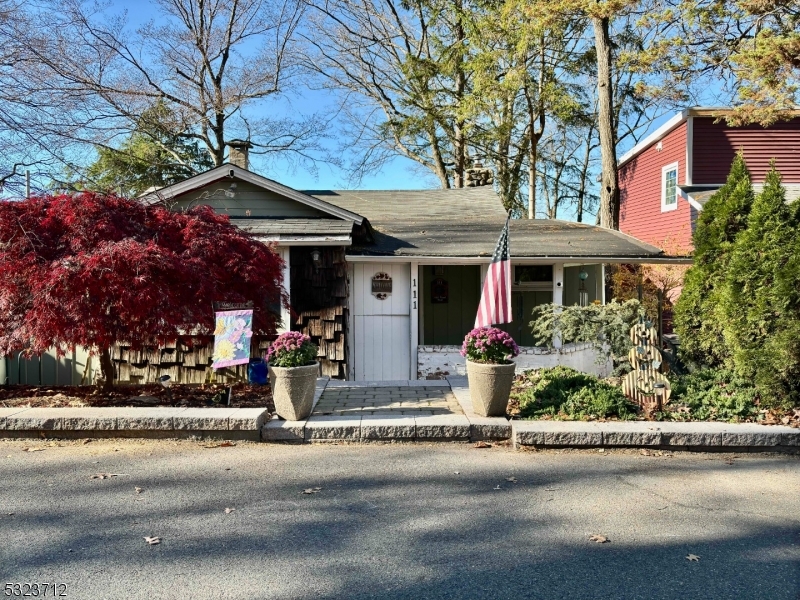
column 669, row 187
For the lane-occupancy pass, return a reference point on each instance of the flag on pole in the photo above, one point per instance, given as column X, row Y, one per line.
column 495, row 306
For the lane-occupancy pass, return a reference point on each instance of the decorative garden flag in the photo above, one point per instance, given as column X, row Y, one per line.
column 495, row 306
column 232, row 334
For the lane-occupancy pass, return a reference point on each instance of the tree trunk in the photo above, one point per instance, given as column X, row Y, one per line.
column 532, row 185
column 533, row 114
column 460, row 142
column 107, row 369
column 584, row 175
column 609, row 190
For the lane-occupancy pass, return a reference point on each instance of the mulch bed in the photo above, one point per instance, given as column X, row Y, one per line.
column 199, row 396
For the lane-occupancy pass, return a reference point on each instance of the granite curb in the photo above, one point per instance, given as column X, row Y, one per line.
column 80, row 421
column 694, row 435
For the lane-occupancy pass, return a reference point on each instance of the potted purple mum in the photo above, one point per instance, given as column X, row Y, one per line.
column 293, row 369
column 490, row 370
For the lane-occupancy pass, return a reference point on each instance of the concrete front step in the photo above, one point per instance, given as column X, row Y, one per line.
column 699, row 435
column 357, row 428
column 83, row 422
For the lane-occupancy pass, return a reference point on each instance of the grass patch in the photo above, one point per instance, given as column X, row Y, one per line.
column 567, row 394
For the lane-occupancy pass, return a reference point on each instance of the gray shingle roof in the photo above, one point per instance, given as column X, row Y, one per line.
column 540, row 238
column 380, row 206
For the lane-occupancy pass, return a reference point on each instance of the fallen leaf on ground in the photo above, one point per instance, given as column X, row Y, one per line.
column 693, row 558
column 600, row 539
column 511, row 479
column 32, row 449
column 311, row 490
column 105, row 475
column 482, row 444
column 153, row 540
column 139, row 490
column 229, row 510
column 220, row 445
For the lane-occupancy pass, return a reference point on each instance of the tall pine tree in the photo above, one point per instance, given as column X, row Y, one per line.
column 761, row 298
column 699, row 315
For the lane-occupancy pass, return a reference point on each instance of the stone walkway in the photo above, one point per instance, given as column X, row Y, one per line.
column 390, row 410
column 388, row 400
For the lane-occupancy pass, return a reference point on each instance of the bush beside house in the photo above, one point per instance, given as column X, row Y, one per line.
column 740, row 308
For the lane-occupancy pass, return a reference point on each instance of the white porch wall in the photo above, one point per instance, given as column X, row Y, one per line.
column 437, row 362
column 285, row 324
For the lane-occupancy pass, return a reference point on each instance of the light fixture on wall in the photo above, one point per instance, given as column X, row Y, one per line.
column 583, row 294
column 316, row 258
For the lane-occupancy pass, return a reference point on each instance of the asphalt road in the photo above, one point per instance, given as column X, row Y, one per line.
column 396, row 521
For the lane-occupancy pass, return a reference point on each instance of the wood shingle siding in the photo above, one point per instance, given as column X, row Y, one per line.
column 185, row 360
column 319, row 301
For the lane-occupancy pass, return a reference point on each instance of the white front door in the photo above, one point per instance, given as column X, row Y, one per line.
column 381, row 329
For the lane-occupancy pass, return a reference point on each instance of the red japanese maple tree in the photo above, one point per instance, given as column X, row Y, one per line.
column 94, row 270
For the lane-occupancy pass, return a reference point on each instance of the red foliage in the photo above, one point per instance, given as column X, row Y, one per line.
column 92, row 270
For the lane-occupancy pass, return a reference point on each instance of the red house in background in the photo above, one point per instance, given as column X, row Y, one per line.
column 667, row 177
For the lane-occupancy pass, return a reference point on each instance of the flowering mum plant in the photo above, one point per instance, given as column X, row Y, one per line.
column 292, row 349
column 489, row 345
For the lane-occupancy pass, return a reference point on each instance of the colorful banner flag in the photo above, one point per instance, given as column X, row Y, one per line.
column 232, row 334
column 495, row 306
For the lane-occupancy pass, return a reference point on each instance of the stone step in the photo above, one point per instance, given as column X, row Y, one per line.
column 362, row 428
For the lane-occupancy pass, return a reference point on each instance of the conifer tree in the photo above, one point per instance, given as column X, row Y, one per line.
column 699, row 318
column 761, row 298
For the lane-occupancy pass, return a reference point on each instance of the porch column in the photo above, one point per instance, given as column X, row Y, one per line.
column 558, row 294
column 414, row 312
column 285, row 314
column 602, row 282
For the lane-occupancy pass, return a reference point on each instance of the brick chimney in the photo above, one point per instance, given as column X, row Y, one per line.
column 238, row 153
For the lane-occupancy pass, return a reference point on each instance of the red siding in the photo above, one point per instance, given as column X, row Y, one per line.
column 640, row 186
column 715, row 146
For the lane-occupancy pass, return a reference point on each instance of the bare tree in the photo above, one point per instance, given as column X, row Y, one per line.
column 399, row 70
column 211, row 63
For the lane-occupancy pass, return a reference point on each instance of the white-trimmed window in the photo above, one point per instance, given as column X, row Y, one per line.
column 669, row 187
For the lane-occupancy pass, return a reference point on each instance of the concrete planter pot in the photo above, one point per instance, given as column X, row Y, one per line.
column 293, row 390
column 490, row 387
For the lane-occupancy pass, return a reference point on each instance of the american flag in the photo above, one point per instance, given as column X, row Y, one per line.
column 495, row 306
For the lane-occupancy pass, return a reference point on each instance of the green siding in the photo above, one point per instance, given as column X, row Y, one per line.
column 448, row 323
column 522, row 304
column 249, row 197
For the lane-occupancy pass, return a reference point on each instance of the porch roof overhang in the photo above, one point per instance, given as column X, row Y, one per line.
column 473, row 241
column 699, row 195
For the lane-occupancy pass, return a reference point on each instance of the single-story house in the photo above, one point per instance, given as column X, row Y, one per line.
column 388, row 282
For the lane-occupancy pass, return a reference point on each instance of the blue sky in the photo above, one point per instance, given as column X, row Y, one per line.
column 400, row 173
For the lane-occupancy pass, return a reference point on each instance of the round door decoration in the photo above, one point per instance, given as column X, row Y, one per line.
column 381, row 285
